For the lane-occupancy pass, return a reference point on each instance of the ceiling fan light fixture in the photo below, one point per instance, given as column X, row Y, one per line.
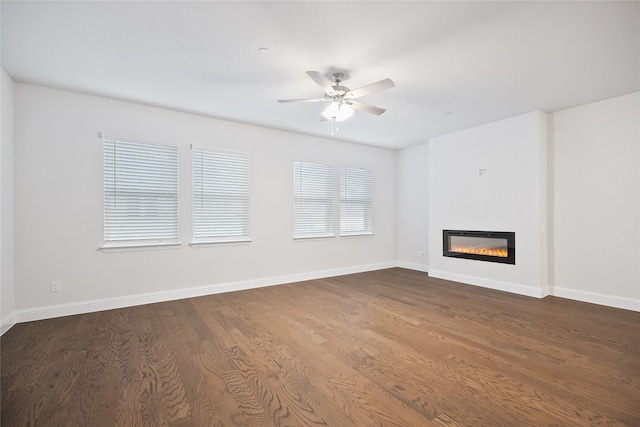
column 337, row 111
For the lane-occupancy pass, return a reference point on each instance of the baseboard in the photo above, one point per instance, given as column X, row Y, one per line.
column 492, row 284
column 47, row 312
column 52, row 311
column 7, row 322
column 596, row 298
column 413, row 266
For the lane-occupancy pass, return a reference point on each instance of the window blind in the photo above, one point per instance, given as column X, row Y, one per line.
column 140, row 193
column 313, row 200
column 220, row 196
column 356, row 189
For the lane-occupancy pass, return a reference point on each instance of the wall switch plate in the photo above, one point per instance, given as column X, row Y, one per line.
column 56, row 286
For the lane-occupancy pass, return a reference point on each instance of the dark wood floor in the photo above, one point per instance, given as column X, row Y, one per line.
column 386, row 348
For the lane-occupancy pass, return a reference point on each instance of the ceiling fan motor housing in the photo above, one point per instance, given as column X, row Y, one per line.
column 340, row 95
column 338, row 89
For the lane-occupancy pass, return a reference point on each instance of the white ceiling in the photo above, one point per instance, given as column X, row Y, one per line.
column 455, row 64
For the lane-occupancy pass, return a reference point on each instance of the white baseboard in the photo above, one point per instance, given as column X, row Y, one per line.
column 7, row 322
column 48, row 312
column 492, row 284
column 596, row 298
column 413, row 266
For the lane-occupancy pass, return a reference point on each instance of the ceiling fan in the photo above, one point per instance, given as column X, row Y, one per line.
column 343, row 100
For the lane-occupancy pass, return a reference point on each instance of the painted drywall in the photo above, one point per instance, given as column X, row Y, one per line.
column 7, row 290
column 59, row 206
column 509, row 198
column 412, row 204
column 7, row 286
column 595, row 159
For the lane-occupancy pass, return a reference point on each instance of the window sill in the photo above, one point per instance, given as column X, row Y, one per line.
column 139, row 247
column 308, row 238
column 356, row 235
column 197, row 245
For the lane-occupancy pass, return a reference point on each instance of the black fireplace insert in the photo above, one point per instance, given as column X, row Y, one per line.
column 491, row 246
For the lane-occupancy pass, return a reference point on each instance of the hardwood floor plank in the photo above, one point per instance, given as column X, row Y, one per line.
column 385, row 348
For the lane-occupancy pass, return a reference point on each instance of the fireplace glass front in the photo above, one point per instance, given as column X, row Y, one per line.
column 492, row 246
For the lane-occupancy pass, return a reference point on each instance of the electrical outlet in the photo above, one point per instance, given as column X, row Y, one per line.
column 56, row 286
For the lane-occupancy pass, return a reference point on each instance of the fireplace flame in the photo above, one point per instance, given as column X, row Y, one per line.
column 501, row 252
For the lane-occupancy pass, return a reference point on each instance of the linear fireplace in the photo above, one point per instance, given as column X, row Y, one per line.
column 492, row 246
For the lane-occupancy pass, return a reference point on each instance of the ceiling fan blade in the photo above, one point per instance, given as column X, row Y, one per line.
column 373, row 87
column 321, row 81
column 360, row 106
column 305, row 100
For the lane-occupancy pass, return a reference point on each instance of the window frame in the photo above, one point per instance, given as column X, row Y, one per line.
column 306, row 196
column 159, row 185
column 218, row 179
column 352, row 201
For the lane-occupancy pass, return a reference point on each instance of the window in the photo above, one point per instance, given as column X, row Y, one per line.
column 220, row 196
column 140, row 193
column 313, row 200
column 355, row 202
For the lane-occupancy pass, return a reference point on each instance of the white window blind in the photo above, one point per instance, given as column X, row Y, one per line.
column 140, row 193
column 220, row 196
column 313, row 200
column 355, row 201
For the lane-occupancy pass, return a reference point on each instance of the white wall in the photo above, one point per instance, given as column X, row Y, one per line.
column 59, row 207
column 594, row 181
column 412, row 205
column 510, row 198
column 7, row 300
column 596, row 202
